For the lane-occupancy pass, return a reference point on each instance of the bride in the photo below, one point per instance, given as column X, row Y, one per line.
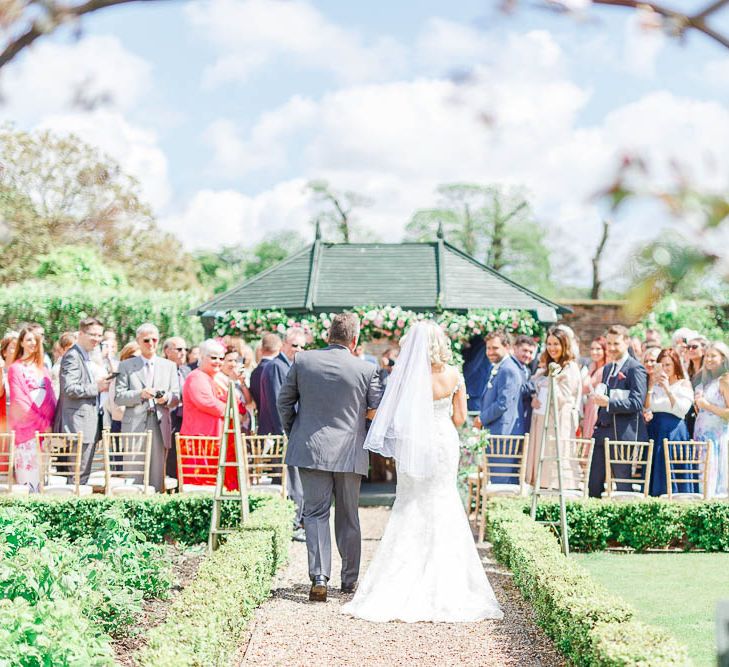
column 426, row 567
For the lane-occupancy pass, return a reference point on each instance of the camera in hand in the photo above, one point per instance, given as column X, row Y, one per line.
column 159, row 394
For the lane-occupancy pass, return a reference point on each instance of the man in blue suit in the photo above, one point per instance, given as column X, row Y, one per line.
column 501, row 403
column 620, row 404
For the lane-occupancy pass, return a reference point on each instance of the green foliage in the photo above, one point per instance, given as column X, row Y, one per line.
column 122, row 309
column 669, row 314
column 590, row 626
column 654, row 524
column 206, row 623
column 221, row 270
column 180, row 517
column 336, row 215
column 79, row 265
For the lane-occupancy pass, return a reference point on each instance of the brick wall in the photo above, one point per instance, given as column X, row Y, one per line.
column 591, row 318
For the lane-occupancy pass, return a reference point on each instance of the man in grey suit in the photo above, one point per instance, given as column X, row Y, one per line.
column 334, row 390
column 79, row 408
column 175, row 349
column 149, row 388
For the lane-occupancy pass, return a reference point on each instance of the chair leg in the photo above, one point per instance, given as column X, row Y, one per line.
column 481, row 519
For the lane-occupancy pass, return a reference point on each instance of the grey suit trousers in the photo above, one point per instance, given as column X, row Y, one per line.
column 88, row 450
column 318, row 487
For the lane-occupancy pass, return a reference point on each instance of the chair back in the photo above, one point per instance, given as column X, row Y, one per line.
column 59, row 461
column 7, row 459
column 687, row 467
column 576, row 455
column 504, row 457
column 126, row 460
column 627, row 465
column 266, row 469
column 197, row 461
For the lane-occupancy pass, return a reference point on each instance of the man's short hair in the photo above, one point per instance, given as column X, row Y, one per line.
column 344, row 329
column 618, row 330
column 270, row 342
column 171, row 341
column 88, row 322
column 501, row 334
column 294, row 332
column 147, row 327
column 523, row 339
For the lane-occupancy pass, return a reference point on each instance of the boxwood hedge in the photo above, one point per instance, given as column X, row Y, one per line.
column 589, row 625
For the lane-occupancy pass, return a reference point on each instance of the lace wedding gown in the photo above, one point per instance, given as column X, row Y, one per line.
column 427, row 567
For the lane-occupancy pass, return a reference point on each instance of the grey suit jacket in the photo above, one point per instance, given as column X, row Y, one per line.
column 129, row 387
column 334, row 389
column 77, row 409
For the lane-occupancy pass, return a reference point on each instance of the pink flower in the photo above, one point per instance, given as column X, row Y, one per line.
column 397, row 332
column 365, row 323
column 401, row 323
column 514, row 324
column 290, row 323
column 378, row 321
column 233, row 323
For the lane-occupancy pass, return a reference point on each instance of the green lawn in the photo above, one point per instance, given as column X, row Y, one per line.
column 678, row 592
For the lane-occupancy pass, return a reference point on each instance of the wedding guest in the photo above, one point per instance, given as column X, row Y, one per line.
column 193, row 356
column 233, row 370
column 7, row 350
column 39, row 330
column 109, row 348
column 80, row 389
column 695, row 350
column 147, row 386
column 636, row 347
column 269, row 419
column 130, row 350
column 63, row 345
column 598, row 359
column 501, row 412
column 175, row 350
column 680, row 339
column 270, row 347
column 670, row 396
column 712, row 420
column 652, row 336
column 32, row 405
column 568, row 385
column 525, row 349
column 620, row 399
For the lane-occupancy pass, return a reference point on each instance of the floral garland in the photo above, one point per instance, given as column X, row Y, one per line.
column 378, row 322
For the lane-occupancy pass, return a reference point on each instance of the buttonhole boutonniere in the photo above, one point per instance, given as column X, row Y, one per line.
column 621, row 375
column 494, row 371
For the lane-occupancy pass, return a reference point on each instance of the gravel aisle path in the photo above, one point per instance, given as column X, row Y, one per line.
column 289, row 630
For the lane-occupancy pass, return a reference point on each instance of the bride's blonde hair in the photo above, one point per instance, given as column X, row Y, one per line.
column 439, row 345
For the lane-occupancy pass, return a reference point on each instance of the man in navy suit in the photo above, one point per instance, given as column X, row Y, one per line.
column 525, row 350
column 620, row 401
column 501, row 403
column 270, row 347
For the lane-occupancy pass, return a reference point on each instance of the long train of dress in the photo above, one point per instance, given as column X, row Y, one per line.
column 427, row 567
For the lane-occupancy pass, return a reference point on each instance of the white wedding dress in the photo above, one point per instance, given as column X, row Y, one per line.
column 427, row 567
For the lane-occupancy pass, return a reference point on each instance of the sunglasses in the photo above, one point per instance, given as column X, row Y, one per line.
column 298, row 346
column 216, row 358
column 180, row 349
column 694, row 347
column 150, row 340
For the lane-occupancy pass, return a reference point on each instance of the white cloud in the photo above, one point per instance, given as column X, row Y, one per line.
column 252, row 33
column 96, row 68
column 644, row 41
column 716, row 72
column 213, row 218
column 135, row 148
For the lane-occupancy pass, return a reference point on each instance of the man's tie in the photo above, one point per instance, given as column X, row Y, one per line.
column 148, row 374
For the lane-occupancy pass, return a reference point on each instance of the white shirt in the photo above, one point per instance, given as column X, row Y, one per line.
column 683, row 396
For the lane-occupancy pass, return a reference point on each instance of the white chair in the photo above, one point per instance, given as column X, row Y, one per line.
column 126, row 463
column 687, row 464
column 627, row 469
column 7, row 463
column 266, row 469
column 60, row 464
column 197, row 463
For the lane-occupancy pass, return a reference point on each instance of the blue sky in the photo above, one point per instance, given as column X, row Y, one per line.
column 224, row 109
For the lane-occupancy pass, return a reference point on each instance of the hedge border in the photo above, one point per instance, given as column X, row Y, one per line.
column 595, row 525
column 205, row 624
column 183, row 518
column 589, row 626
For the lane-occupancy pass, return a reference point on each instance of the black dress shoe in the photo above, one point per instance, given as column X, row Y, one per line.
column 318, row 592
column 349, row 588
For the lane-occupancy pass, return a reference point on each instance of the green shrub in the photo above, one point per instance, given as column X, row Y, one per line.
column 590, row 626
column 205, row 624
column 121, row 309
column 183, row 518
column 653, row 524
column 53, row 632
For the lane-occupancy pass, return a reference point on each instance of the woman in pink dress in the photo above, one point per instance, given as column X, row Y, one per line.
column 32, row 405
column 598, row 354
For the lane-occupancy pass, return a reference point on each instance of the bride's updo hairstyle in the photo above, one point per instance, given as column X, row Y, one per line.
column 439, row 345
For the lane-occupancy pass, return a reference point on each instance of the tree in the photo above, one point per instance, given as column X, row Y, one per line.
column 59, row 191
column 337, row 216
column 221, row 270
column 492, row 223
column 79, row 265
column 596, row 279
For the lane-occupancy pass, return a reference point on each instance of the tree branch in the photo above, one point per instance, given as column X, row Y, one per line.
column 59, row 15
column 596, row 282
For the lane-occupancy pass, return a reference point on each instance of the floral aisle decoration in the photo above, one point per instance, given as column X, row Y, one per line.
column 380, row 322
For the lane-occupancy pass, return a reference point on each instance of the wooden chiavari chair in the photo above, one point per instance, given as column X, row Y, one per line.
column 59, row 461
column 7, row 463
column 687, row 468
column 197, row 463
column 500, row 472
column 266, row 469
column 126, row 462
column 627, row 469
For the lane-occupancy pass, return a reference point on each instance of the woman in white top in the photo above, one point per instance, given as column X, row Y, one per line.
column 669, row 399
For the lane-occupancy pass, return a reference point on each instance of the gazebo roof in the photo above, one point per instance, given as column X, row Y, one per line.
column 423, row 277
